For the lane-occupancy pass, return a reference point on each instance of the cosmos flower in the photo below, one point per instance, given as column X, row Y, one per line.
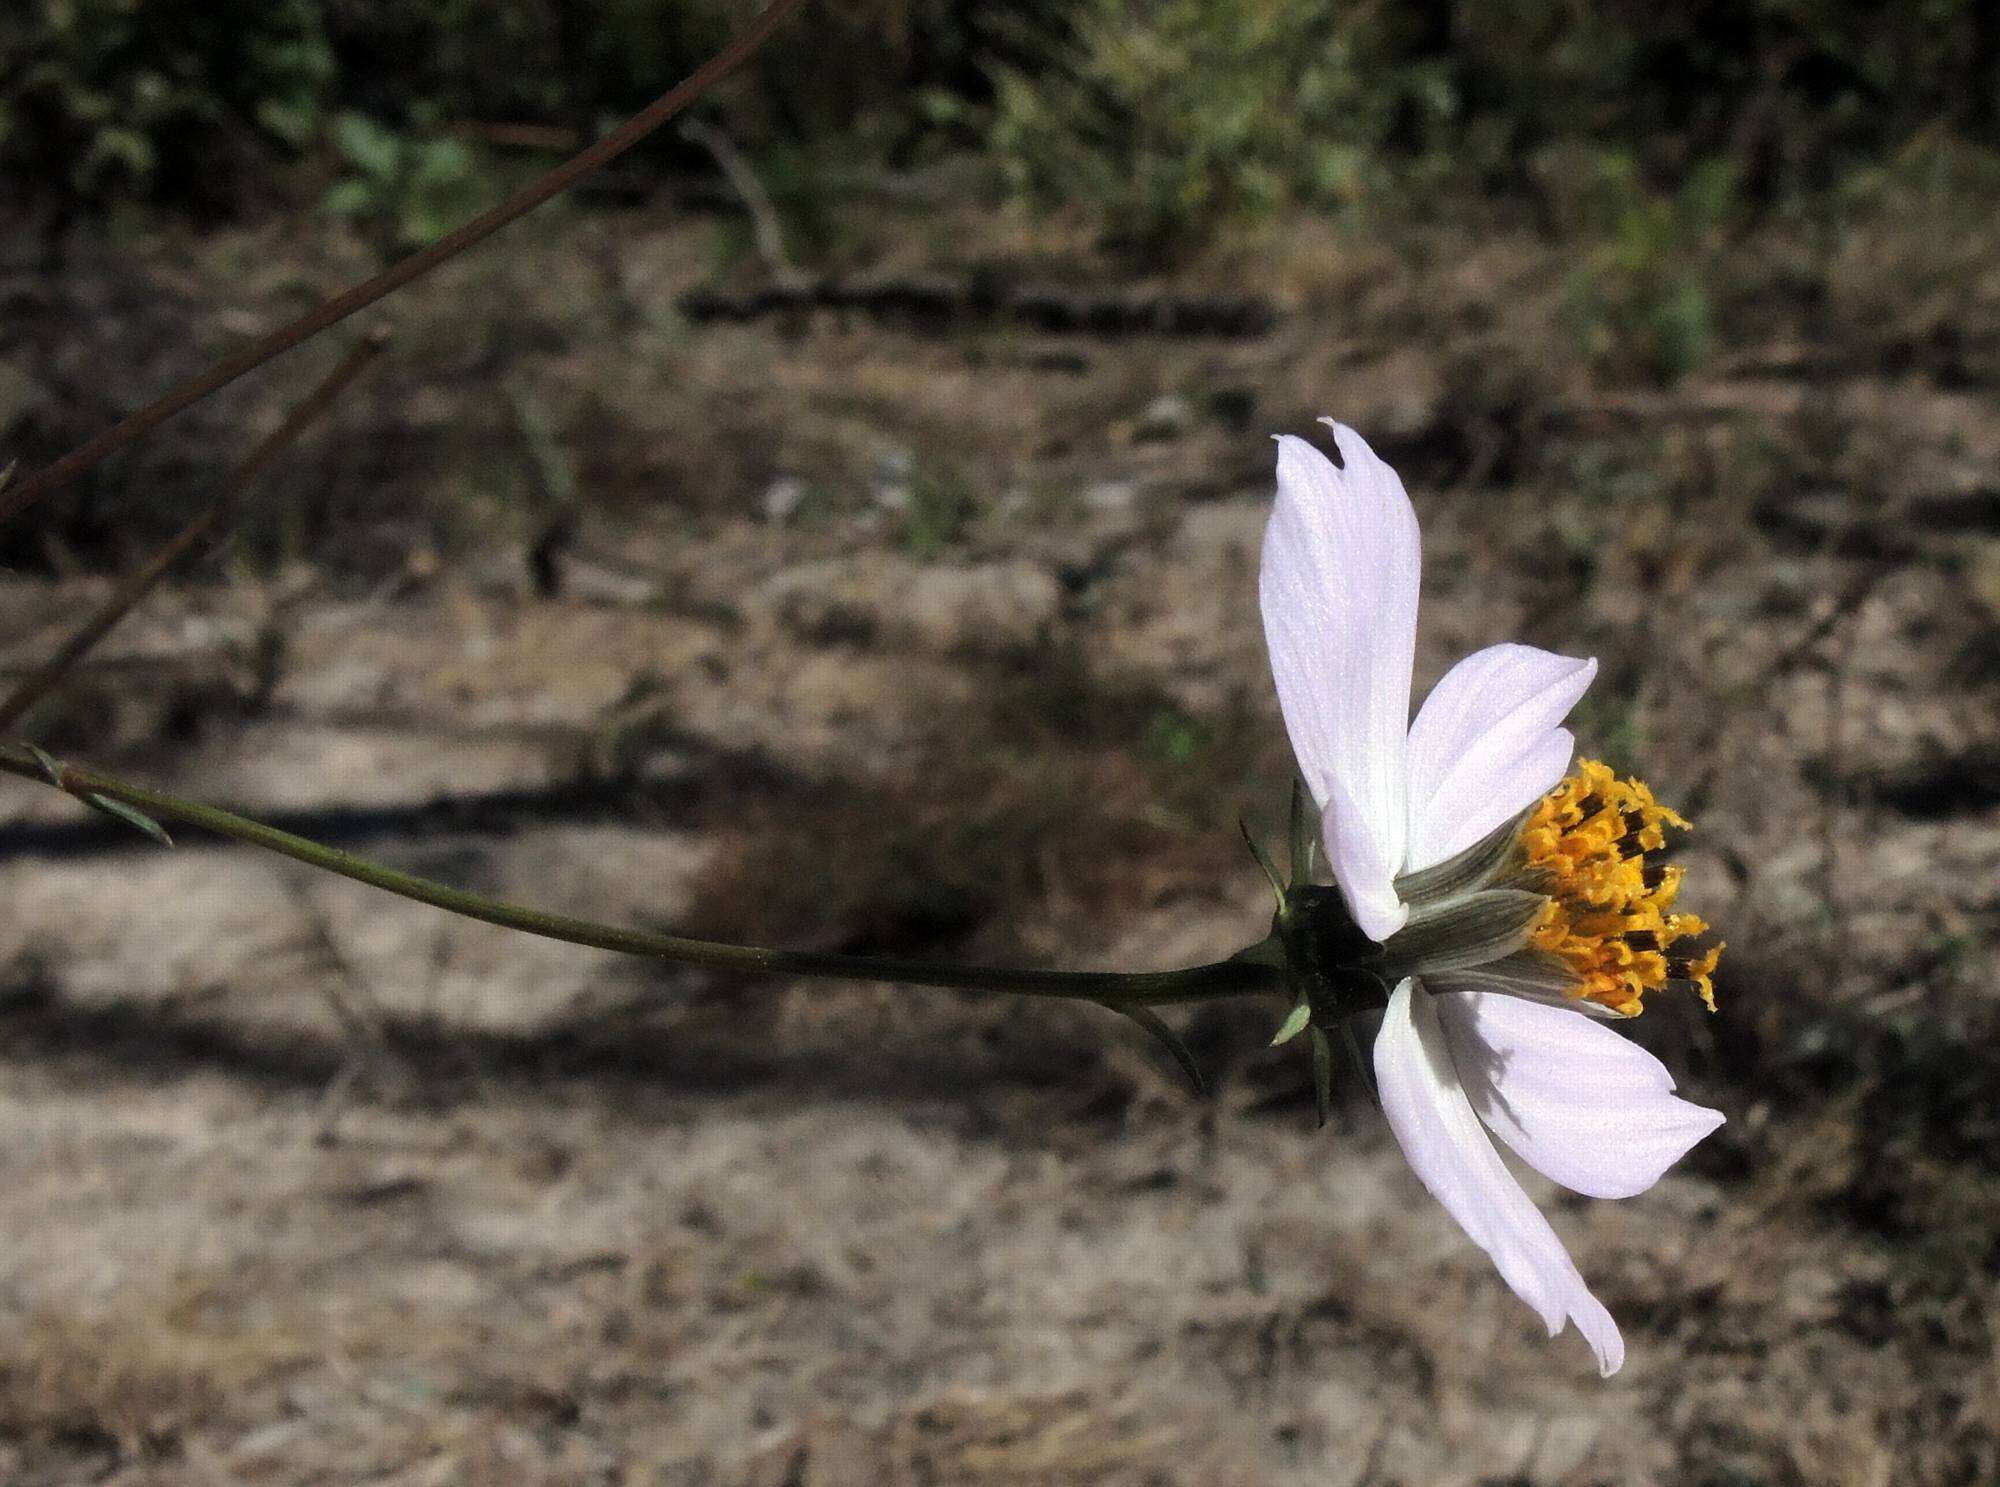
column 1503, row 903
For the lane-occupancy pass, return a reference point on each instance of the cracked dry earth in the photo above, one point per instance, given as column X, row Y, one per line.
column 306, row 1184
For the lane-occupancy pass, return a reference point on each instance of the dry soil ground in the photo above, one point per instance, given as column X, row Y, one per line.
column 880, row 634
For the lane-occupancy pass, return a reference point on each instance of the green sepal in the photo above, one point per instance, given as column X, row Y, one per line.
column 1363, row 1069
column 138, row 820
column 1294, row 1023
column 1304, row 834
column 1322, row 1074
column 1264, row 861
column 1168, row 1039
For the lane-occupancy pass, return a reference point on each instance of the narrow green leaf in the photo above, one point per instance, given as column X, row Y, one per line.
column 1151, row 1021
column 138, row 820
column 49, row 766
column 1293, row 1025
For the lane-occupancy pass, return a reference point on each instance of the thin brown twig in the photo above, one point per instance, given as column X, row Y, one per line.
column 219, row 514
column 765, row 229
column 593, row 158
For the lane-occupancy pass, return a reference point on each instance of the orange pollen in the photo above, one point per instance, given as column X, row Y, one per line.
column 1609, row 918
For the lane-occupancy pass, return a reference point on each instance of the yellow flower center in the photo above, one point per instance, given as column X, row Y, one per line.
column 1609, row 918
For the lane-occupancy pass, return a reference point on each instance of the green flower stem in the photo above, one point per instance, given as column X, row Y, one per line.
column 1123, row 990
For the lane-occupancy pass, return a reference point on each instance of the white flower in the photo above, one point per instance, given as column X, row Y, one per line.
column 1486, row 755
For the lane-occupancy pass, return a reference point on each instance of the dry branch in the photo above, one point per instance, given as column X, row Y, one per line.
column 24, row 493
column 218, row 516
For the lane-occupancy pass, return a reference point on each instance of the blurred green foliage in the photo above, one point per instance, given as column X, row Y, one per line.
column 189, row 102
column 941, row 505
column 1641, row 299
column 1158, row 121
column 1165, row 119
column 409, row 190
column 108, row 98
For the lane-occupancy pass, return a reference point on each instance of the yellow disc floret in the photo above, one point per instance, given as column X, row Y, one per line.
column 1610, row 918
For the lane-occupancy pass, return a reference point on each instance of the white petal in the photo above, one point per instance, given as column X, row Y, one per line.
column 1486, row 745
column 1367, row 879
column 1338, row 590
column 1581, row 1104
column 1454, row 1158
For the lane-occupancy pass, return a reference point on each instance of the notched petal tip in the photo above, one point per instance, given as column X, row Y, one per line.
column 1347, row 443
column 1338, row 590
column 1600, row 1330
column 1303, row 467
